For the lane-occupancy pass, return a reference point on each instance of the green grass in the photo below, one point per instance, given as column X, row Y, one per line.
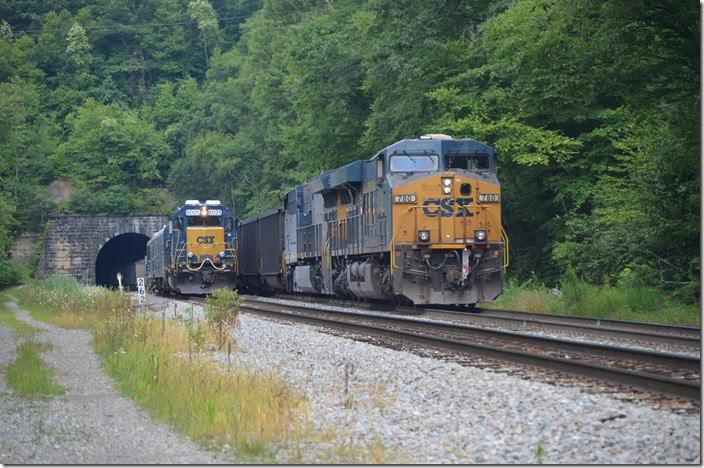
column 28, row 375
column 8, row 319
column 156, row 363
column 160, row 364
column 244, row 408
column 633, row 303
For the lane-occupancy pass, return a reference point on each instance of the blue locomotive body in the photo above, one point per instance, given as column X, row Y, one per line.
column 419, row 222
column 195, row 252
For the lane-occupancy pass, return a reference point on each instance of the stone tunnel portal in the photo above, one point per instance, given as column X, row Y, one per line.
column 119, row 255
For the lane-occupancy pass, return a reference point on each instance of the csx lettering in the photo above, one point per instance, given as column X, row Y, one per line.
column 205, row 239
column 445, row 207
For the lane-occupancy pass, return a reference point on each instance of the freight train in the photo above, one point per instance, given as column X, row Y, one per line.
column 419, row 222
column 195, row 252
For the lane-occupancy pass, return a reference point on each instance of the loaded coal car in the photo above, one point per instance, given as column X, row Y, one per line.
column 195, row 252
column 419, row 222
column 261, row 248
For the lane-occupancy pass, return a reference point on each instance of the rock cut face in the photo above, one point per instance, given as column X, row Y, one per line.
column 23, row 249
column 60, row 190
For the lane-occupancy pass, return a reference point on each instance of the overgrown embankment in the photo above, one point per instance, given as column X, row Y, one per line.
column 161, row 364
column 578, row 298
column 27, row 375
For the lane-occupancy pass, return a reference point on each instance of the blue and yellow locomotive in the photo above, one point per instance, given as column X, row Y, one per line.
column 419, row 222
column 195, row 252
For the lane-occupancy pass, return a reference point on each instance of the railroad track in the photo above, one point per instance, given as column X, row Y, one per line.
column 675, row 338
column 667, row 373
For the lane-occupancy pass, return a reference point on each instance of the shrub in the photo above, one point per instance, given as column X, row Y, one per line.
column 11, row 274
column 221, row 310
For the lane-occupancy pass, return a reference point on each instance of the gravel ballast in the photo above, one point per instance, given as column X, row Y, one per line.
column 569, row 336
column 367, row 403
column 91, row 423
column 423, row 410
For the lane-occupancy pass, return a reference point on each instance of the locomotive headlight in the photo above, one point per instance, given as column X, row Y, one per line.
column 189, row 254
column 446, row 185
column 424, row 236
column 221, row 254
column 204, row 211
column 480, row 235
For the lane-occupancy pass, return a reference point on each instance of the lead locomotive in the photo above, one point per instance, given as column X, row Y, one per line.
column 419, row 222
column 195, row 252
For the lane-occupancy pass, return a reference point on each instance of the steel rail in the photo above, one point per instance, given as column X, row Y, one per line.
column 558, row 344
column 642, row 380
column 612, row 324
column 671, row 335
column 685, row 341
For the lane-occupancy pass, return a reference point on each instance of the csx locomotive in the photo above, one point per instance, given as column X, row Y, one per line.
column 419, row 222
column 195, row 252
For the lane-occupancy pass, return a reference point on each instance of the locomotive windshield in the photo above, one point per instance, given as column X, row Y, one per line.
column 469, row 162
column 204, row 220
column 414, row 162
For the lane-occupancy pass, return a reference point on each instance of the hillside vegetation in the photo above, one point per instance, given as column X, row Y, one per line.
column 593, row 107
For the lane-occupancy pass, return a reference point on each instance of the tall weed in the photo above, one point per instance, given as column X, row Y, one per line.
column 221, row 310
column 152, row 360
column 576, row 297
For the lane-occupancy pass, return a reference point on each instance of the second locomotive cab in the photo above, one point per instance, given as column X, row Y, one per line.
column 195, row 252
column 419, row 222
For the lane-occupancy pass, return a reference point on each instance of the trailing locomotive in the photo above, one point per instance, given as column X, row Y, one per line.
column 419, row 222
column 195, row 252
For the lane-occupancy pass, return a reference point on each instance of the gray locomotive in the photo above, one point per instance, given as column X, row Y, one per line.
column 419, row 222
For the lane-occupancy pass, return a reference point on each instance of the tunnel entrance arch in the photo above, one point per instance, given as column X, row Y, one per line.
column 119, row 254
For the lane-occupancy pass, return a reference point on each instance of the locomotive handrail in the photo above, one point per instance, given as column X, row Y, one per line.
column 231, row 250
column 504, row 237
column 203, row 263
column 409, row 208
column 392, row 243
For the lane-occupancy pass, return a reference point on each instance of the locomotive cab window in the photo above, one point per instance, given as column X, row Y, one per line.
column 290, row 204
column 468, row 162
column 229, row 224
column 204, row 221
column 345, row 197
column 414, row 163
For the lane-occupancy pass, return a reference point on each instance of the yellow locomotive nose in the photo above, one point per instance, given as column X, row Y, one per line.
column 205, row 241
column 450, row 209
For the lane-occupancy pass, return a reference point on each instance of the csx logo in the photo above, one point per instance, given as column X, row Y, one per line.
column 447, row 207
column 205, row 239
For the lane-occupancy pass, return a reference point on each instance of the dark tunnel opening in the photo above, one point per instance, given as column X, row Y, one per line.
column 119, row 254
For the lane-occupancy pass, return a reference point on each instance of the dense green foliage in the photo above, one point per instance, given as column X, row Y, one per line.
column 578, row 298
column 593, row 107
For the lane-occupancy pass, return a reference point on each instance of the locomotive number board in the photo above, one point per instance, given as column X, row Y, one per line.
column 489, row 198
column 407, row 198
column 210, row 212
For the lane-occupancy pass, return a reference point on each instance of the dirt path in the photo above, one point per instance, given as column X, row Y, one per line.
column 91, row 423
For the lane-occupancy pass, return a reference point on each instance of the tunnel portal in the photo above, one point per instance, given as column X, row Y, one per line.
column 119, row 255
column 72, row 244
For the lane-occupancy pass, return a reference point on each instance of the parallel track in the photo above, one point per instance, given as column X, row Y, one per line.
column 687, row 338
column 666, row 373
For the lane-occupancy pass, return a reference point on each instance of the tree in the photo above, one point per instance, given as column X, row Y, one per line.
column 203, row 13
column 108, row 146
